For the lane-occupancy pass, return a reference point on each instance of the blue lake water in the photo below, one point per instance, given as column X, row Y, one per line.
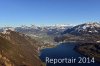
column 65, row 50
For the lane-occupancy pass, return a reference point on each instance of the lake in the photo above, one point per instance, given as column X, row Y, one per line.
column 62, row 51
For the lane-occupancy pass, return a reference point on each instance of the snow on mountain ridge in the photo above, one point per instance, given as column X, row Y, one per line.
column 56, row 26
column 85, row 28
column 88, row 25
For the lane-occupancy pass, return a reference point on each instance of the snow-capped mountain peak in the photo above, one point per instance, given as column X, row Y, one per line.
column 86, row 28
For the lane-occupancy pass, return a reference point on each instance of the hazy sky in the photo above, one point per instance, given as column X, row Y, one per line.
column 48, row 12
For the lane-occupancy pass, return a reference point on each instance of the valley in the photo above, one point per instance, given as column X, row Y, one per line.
column 49, row 32
column 22, row 46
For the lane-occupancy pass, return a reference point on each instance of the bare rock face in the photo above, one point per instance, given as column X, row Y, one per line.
column 16, row 49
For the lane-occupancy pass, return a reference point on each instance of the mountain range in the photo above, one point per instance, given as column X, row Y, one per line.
column 86, row 28
column 20, row 46
column 83, row 32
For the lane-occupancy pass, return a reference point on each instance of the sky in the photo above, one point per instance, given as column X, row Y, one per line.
column 48, row 12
